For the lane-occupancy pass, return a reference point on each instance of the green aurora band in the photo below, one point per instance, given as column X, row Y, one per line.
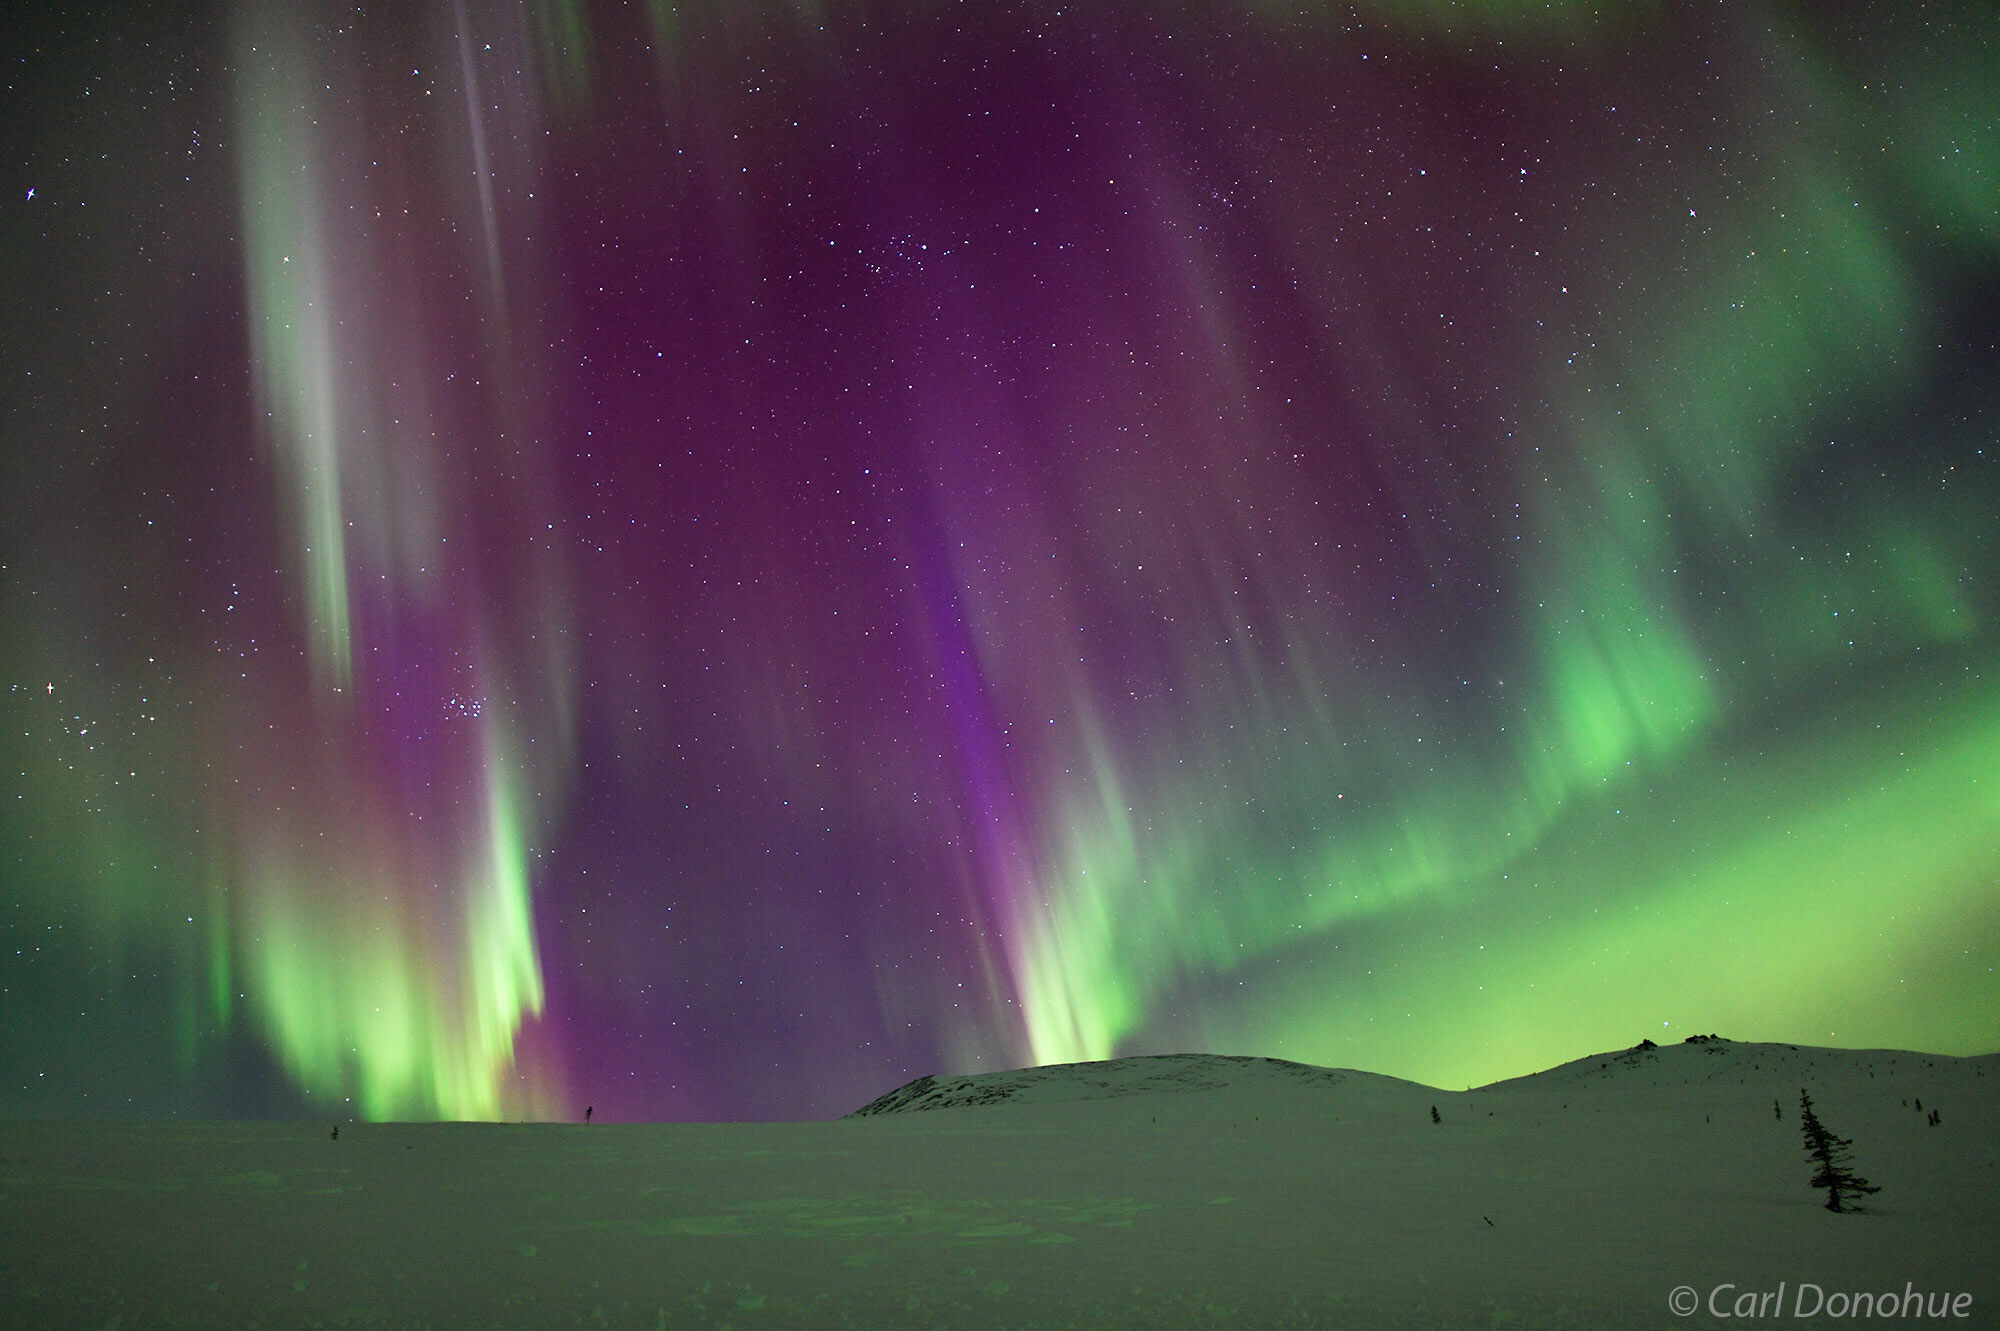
column 1224, row 851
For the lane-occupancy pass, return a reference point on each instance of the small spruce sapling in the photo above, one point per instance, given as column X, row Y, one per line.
column 1434, row 1115
column 1830, row 1154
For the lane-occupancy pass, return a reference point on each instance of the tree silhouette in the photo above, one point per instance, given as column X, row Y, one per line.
column 1829, row 1153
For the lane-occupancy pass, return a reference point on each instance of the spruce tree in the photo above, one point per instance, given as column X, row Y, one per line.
column 1829, row 1153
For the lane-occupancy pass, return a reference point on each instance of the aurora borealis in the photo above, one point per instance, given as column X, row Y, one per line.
column 707, row 559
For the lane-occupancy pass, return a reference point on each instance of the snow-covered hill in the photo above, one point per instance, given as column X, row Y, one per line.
column 1151, row 1075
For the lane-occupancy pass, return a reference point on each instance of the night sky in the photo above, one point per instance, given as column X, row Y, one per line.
column 705, row 560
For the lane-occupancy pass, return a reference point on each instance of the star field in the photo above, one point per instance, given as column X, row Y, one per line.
column 705, row 560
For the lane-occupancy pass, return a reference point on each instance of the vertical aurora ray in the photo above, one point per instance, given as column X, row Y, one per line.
column 382, row 902
column 396, row 968
column 293, row 327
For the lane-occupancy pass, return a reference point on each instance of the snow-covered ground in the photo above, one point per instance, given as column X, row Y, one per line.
column 1148, row 1192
